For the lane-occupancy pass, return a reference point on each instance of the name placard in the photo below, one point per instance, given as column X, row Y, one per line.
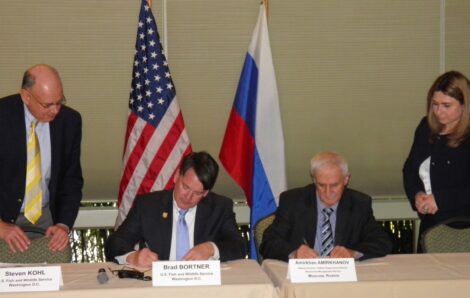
column 322, row 270
column 30, row 279
column 185, row 273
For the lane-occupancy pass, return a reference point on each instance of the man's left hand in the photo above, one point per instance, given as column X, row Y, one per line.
column 58, row 237
column 342, row 252
column 201, row 251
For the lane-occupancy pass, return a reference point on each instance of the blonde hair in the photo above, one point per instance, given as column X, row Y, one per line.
column 457, row 86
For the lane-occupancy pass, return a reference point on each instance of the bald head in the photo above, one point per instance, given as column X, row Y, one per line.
column 42, row 76
column 42, row 92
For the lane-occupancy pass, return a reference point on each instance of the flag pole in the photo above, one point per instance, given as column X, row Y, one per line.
column 149, row 2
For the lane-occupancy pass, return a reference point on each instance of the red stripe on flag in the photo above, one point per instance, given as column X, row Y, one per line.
column 237, row 153
column 131, row 120
column 162, row 154
column 171, row 182
column 134, row 158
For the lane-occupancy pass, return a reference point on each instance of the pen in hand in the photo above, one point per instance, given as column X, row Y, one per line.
column 315, row 254
column 305, row 241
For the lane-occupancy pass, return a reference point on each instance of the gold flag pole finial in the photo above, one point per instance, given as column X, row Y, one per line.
column 266, row 6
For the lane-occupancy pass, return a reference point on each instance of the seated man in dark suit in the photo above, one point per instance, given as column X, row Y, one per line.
column 325, row 219
column 187, row 223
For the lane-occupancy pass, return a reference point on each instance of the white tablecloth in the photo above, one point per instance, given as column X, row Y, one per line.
column 400, row 276
column 240, row 279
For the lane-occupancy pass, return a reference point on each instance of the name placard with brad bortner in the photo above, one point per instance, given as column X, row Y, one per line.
column 185, row 273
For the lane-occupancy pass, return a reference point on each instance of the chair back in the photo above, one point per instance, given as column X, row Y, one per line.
column 38, row 252
column 260, row 227
column 452, row 235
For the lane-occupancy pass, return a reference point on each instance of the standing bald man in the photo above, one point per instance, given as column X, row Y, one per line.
column 39, row 108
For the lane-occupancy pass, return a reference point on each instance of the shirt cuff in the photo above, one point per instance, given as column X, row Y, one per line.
column 358, row 255
column 122, row 260
column 291, row 255
column 216, row 255
column 65, row 226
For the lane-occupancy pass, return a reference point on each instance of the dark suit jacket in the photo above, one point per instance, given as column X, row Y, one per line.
column 151, row 219
column 65, row 187
column 296, row 223
column 450, row 175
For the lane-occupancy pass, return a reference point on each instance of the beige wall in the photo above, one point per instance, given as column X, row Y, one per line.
column 352, row 75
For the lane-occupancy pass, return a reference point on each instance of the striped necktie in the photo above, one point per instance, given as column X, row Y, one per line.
column 326, row 233
column 33, row 193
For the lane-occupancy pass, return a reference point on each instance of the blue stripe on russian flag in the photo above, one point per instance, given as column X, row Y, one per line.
column 245, row 99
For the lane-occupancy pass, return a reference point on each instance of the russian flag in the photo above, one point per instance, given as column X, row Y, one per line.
column 253, row 148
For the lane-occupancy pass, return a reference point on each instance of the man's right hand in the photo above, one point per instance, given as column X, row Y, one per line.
column 142, row 258
column 305, row 252
column 14, row 236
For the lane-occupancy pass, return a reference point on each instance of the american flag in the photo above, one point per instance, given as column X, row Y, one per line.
column 156, row 138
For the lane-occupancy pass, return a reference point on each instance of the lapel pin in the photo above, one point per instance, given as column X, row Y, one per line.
column 165, row 215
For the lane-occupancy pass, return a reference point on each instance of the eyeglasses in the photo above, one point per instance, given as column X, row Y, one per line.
column 47, row 106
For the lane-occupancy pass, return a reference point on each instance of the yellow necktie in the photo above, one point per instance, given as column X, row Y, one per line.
column 33, row 194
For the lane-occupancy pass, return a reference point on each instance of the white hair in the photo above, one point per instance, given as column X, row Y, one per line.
column 328, row 158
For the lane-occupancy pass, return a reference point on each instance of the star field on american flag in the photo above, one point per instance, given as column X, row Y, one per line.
column 152, row 88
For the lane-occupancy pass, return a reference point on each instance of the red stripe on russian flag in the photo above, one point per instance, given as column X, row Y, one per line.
column 237, row 153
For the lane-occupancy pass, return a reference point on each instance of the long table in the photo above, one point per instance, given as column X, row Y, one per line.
column 400, row 276
column 240, row 279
